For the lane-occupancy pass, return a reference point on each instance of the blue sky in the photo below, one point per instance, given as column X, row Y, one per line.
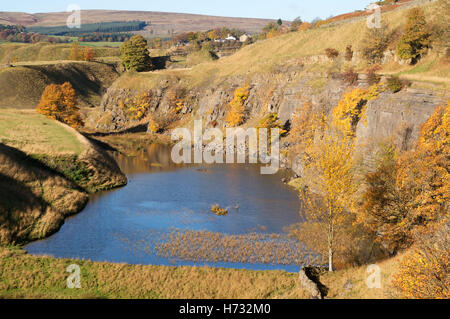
column 272, row 9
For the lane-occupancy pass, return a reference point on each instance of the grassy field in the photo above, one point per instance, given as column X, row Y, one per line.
column 44, row 51
column 33, row 133
column 26, row 276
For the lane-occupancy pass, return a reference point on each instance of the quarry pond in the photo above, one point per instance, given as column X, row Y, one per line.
column 163, row 217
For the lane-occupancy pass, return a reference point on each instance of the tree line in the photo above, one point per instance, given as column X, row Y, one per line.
column 101, row 27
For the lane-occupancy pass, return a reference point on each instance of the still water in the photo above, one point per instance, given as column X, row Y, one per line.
column 125, row 224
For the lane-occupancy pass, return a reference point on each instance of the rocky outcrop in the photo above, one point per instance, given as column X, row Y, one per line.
column 310, row 281
column 283, row 91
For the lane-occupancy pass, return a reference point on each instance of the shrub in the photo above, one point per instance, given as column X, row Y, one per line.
column 416, row 37
column 372, row 76
column 236, row 114
column 350, row 109
column 304, row 26
column 374, row 44
column 137, row 107
column 348, row 53
column 394, row 84
column 331, row 53
column 350, row 77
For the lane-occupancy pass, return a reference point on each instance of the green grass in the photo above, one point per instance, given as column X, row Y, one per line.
column 102, row 44
column 35, row 134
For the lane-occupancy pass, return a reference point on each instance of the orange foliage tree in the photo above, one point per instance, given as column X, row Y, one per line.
column 58, row 102
column 88, row 54
column 412, row 190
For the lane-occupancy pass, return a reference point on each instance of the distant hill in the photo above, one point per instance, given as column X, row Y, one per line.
column 161, row 23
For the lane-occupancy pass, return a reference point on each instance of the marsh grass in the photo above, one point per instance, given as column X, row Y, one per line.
column 204, row 246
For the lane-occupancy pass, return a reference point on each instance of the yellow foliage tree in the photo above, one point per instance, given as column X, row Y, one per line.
column 58, row 102
column 329, row 185
column 351, row 108
column 236, row 113
column 75, row 52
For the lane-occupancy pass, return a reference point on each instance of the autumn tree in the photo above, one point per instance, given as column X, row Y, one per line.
column 416, row 37
column 424, row 271
column 295, row 25
column 411, row 190
column 351, row 108
column 58, row 102
column 88, row 54
column 134, row 54
column 236, row 113
column 374, row 44
column 328, row 184
column 75, row 52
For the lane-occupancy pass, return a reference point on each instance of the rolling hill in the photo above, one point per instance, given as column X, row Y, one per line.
column 160, row 22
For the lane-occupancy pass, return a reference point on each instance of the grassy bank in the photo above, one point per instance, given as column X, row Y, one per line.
column 26, row 276
column 45, row 171
column 21, row 86
column 33, row 133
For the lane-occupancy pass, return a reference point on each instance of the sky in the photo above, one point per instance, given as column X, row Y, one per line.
column 270, row 9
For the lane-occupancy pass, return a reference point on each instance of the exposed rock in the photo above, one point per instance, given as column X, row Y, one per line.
column 310, row 281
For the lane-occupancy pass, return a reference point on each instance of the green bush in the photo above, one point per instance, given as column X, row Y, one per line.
column 394, row 84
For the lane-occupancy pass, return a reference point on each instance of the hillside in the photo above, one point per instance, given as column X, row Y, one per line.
column 46, row 170
column 283, row 73
column 21, row 86
column 160, row 22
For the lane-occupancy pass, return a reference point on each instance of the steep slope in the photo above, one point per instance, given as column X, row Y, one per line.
column 21, row 86
column 46, row 170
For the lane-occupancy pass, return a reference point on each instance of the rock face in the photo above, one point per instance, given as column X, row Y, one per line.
column 283, row 91
column 396, row 116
